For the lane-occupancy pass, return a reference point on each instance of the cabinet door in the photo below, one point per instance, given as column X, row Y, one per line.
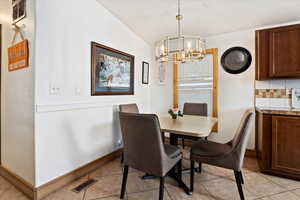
column 285, row 51
column 262, row 55
column 286, row 144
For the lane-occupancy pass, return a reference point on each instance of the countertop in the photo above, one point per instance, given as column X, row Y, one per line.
column 278, row 111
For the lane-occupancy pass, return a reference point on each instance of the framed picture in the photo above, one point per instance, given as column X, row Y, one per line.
column 145, row 75
column 112, row 71
column 162, row 71
column 19, row 10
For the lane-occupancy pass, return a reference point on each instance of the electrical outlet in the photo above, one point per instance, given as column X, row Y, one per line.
column 54, row 89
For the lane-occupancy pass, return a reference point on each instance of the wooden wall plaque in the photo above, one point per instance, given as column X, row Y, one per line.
column 18, row 55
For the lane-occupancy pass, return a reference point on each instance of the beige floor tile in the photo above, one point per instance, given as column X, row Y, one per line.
column 297, row 192
column 149, row 195
column 217, row 171
column 4, row 185
column 111, row 185
column 113, row 197
column 225, row 189
column 207, row 174
column 282, row 196
column 13, row 194
column 176, row 193
column 212, row 183
column 255, row 178
column 112, row 168
column 106, row 186
column 66, row 193
column 284, row 182
column 136, row 184
column 258, row 185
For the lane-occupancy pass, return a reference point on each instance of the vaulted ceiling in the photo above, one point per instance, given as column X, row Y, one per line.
column 154, row 19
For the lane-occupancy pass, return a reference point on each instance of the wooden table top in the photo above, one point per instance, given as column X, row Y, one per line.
column 196, row 126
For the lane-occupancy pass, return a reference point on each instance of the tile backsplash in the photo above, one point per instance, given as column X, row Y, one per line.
column 275, row 93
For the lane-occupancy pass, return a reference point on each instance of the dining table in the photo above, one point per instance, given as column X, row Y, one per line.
column 189, row 127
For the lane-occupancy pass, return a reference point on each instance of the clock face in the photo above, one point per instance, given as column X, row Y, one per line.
column 236, row 60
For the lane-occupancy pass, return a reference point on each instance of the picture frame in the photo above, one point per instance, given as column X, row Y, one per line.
column 19, row 10
column 145, row 73
column 161, row 76
column 112, row 71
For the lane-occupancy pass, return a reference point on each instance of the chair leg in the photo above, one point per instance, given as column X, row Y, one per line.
column 163, row 136
column 124, row 181
column 239, row 184
column 242, row 177
column 192, row 176
column 122, row 157
column 161, row 188
column 183, row 143
column 179, row 169
column 200, row 168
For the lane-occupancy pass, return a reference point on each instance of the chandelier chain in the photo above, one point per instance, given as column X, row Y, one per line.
column 179, row 17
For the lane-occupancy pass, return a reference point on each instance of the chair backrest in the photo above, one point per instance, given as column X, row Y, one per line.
column 199, row 109
column 129, row 108
column 143, row 145
column 240, row 140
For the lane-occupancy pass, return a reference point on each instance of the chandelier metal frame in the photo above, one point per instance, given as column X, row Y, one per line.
column 180, row 48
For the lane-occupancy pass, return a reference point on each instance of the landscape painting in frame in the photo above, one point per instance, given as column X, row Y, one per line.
column 112, row 71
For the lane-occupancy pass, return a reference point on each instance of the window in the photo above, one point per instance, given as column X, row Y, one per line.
column 197, row 83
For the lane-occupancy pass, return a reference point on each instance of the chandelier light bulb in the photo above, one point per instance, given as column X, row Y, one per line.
column 162, row 48
column 189, row 45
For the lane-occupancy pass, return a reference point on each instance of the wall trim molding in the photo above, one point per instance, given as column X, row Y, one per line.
column 251, row 153
column 18, row 182
column 38, row 193
column 43, row 108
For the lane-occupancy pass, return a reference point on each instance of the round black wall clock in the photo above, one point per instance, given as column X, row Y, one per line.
column 236, row 60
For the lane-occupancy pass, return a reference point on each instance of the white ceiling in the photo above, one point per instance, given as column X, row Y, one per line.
column 155, row 19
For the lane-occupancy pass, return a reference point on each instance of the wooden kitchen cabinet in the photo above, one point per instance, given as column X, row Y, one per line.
column 278, row 144
column 278, row 53
column 286, row 144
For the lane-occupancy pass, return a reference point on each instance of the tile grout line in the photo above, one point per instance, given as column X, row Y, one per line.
column 83, row 197
column 168, row 193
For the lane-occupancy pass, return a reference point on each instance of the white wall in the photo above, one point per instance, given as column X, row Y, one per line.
column 17, row 114
column 75, row 129
column 236, row 92
column 161, row 97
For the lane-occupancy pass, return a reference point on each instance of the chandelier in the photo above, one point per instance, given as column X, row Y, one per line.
column 180, row 48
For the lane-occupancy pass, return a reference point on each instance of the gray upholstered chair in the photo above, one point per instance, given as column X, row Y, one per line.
column 130, row 108
column 229, row 155
column 199, row 109
column 144, row 149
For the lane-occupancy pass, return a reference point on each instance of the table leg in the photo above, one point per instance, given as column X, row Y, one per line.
column 173, row 139
column 176, row 172
column 163, row 136
column 177, row 176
